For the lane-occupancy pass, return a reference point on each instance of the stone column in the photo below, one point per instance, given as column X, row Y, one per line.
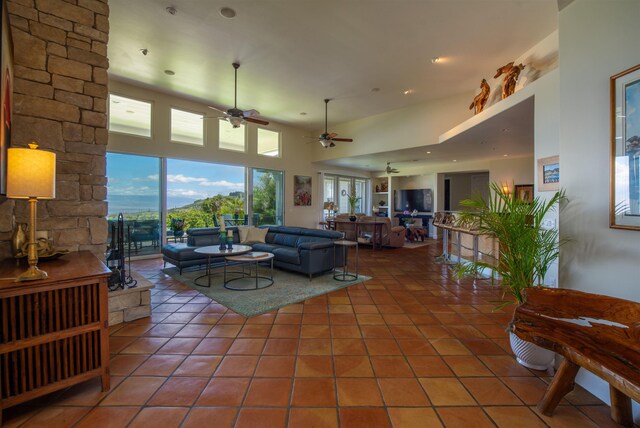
column 60, row 101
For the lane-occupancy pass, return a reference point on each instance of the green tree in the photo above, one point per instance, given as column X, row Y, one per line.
column 264, row 198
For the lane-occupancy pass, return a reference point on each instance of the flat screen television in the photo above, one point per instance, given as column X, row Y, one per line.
column 413, row 199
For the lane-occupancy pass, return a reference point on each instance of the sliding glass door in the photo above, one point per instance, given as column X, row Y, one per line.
column 133, row 189
column 267, row 196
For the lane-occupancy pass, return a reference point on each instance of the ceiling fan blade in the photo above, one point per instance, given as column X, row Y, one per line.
column 217, row 109
column 250, row 113
column 343, row 139
column 214, row 117
column 254, row 120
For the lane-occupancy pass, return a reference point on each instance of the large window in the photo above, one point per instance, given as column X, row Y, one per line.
column 231, row 138
column 268, row 196
column 337, row 189
column 187, row 127
column 133, row 189
column 129, row 116
column 197, row 190
column 268, row 142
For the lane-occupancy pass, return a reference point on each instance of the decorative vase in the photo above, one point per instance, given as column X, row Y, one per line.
column 223, row 241
column 18, row 239
column 178, row 233
column 353, row 217
column 531, row 355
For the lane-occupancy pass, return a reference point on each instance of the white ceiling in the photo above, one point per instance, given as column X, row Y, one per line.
column 507, row 133
column 295, row 53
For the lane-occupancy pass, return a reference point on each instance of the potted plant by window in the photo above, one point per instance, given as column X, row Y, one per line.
column 177, row 227
column 526, row 252
column 353, row 199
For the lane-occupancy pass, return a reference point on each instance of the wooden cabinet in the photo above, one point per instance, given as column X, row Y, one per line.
column 53, row 332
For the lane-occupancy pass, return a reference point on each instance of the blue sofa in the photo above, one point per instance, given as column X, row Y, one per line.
column 308, row 251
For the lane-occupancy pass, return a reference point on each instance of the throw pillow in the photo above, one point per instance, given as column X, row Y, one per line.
column 258, row 235
column 243, row 231
column 251, row 235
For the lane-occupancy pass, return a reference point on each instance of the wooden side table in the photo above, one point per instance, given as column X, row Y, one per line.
column 54, row 331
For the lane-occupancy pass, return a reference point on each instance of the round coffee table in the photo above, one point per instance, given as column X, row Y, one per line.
column 215, row 251
column 250, row 260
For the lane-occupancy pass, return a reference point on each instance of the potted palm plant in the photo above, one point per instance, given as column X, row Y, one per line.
column 526, row 252
column 353, row 199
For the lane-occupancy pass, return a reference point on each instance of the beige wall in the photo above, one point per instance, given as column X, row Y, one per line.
column 414, row 126
column 597, row 40
column 512, row 171
column 59, row 101
column 295, row 158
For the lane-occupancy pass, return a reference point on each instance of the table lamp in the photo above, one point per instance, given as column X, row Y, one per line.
column 31, row 174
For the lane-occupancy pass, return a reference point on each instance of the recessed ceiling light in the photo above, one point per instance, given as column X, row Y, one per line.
column 428, row 153
column 455, row 160
column 435, row 60
column 144, row 51
column 506, row 129
column 408, row 92
column 169, row 72
column 227, row 12
column 505, row 155
column 171, row 10
column 375, row 89
column 303, row 113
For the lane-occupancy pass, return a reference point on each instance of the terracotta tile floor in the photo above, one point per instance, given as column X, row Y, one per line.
column 411, row 347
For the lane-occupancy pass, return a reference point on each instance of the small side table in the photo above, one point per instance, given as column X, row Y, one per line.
column 344, row 275
column 249, row 260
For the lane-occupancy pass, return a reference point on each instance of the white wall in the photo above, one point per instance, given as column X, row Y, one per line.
column 598, row 38
column 413, row 126
column 295, row 159
column 511, row 171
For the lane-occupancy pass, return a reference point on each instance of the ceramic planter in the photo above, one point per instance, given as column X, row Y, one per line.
column 531, row 355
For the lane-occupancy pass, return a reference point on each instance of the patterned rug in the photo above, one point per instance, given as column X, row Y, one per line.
column 287, row 288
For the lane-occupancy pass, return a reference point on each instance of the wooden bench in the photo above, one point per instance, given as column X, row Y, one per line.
column 598, row 333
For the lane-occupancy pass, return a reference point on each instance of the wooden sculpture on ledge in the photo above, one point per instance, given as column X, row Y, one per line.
column 481, row 99
column 511, row 73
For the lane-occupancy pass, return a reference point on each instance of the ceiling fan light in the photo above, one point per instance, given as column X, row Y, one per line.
column 235, row 121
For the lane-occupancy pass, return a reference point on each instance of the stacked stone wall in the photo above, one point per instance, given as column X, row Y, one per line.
column 60, row 101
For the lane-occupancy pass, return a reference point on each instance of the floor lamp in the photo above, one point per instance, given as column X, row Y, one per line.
column 31, row 174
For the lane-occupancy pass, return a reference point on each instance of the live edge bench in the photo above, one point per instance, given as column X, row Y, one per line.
column 598, row 333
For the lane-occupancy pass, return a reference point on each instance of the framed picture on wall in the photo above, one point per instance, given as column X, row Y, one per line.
column 6, row 96
column 624, row 212
column 524, row 192
column 549, row 174
column 301, row 191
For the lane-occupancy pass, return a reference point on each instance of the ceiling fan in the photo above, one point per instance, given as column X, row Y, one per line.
column 328, row 140
column 235, row 116
column 390, row 170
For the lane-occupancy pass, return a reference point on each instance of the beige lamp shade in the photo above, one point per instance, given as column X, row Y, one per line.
column 31, row 173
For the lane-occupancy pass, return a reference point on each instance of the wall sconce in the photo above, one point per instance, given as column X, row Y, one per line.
column 31, row 174
column 506, row 189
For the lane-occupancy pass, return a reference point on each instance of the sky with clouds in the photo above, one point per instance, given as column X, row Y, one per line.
column 187, row 181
